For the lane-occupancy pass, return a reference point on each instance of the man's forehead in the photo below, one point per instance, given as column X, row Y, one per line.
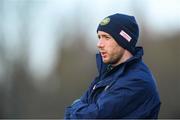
column 103, row 33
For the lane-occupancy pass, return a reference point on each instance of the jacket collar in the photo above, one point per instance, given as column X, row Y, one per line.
column 101, row 66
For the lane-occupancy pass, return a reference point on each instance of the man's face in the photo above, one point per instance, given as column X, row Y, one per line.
column 110, row 51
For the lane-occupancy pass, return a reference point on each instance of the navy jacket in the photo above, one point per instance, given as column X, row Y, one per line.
column 125, row 91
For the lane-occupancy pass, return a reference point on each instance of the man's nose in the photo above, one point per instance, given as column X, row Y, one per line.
column 100, row 44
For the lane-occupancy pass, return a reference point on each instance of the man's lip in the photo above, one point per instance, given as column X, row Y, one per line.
column 103, row 54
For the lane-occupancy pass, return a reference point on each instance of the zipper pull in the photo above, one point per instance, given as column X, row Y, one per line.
column 94, row 87
column 106, row 87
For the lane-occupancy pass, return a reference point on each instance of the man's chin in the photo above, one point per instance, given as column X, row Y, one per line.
column 106, row 61
column 109, row 62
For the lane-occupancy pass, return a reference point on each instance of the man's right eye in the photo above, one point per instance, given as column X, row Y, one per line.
column 107, row 37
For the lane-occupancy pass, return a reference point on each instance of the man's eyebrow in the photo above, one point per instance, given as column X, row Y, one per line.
column 104, row 35
column 109, row 36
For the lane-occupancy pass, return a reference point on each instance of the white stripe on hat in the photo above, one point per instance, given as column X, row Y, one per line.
column 125, row 35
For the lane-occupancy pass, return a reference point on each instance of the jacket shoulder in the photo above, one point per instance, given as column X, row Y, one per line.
column 137, row 76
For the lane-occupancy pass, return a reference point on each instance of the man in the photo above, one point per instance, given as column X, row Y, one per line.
column 125, row 87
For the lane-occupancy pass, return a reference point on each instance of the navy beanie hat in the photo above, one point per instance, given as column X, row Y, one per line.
column 123, row 28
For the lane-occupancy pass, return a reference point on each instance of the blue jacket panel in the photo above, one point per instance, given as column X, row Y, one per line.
column 125, row 91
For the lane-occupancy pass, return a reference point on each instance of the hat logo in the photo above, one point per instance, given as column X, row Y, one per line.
column 105, row 21
column 125, row 35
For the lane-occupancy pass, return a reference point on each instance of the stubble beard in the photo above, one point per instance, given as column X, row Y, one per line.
column 114, row 60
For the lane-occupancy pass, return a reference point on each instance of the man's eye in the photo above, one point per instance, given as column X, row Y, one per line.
column 99, row 37
column 107, row 37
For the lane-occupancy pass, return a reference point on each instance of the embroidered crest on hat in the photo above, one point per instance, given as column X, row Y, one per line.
column 105, row 21
column 125, row 35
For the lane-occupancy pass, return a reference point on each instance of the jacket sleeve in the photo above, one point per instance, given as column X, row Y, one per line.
column 81, row 110
column 117, row 102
